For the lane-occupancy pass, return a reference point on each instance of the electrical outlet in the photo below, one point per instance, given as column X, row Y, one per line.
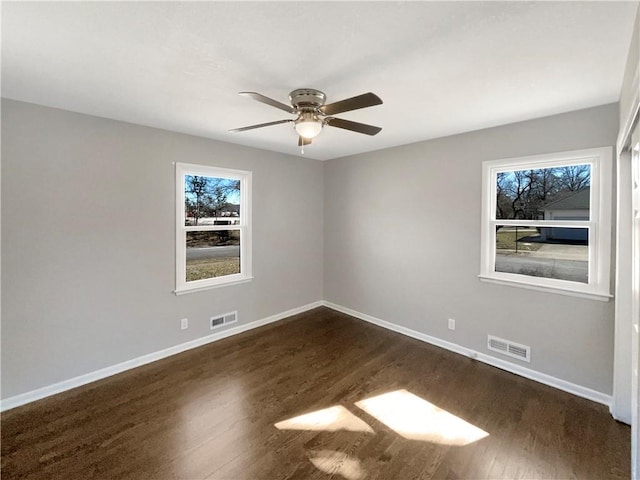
column 452, row 324
column 184, row 324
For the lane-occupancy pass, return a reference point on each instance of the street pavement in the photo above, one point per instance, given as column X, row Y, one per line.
column 563, row 262
column 200, row 253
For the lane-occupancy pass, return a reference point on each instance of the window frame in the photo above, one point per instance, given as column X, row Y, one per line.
column 598, row 225
column 245, row 275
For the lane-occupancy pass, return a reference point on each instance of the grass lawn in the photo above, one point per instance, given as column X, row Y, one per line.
column 212, row 267
column 506, row 239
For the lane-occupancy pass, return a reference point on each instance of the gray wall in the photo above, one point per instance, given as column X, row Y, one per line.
column 88, row 242
column 628, row 92
column 402, row 243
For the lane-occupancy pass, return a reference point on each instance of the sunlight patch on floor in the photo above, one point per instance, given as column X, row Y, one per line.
column 328, row 419
column 416, row 419
column 337, row 463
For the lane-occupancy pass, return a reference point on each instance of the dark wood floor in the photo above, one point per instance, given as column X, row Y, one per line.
column 210, row 413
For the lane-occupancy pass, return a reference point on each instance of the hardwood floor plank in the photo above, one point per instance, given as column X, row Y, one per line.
column 211, row 413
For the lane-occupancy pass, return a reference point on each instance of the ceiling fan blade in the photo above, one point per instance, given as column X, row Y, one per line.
column 353, row 126
column 260, row 125
column 303, row 141
column 353, row 103
column 268, row 101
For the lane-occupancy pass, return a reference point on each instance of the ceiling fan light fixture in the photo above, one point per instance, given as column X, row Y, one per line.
column 308, row 125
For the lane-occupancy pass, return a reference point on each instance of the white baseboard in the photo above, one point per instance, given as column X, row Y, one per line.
column 80, row 380
column 558, row 383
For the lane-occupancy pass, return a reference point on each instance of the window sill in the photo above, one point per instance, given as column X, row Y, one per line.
column 184, row 291
column 603, row 297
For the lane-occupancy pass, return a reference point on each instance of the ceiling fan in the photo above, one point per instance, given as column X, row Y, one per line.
column 308, row 104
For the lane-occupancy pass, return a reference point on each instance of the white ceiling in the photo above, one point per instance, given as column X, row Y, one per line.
column 440, row 67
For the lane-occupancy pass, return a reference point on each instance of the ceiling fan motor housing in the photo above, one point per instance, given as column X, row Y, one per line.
column 307, row 99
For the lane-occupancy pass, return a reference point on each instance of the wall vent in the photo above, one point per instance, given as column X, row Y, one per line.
column 507, row 347
column 220, row 320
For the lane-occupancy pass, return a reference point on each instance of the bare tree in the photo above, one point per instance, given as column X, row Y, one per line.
column 208, row 196
column 503, row 203
column 575, row 177
column 518, row 191
column 544, row 186
column 523, row 194
column 218, row 199
column 198, row 195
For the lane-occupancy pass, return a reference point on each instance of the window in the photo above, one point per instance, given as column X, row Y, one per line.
column 213, row 227
column 546, row 222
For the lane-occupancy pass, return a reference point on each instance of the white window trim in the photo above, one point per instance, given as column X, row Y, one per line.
column 599, row 224
column 245, row 275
